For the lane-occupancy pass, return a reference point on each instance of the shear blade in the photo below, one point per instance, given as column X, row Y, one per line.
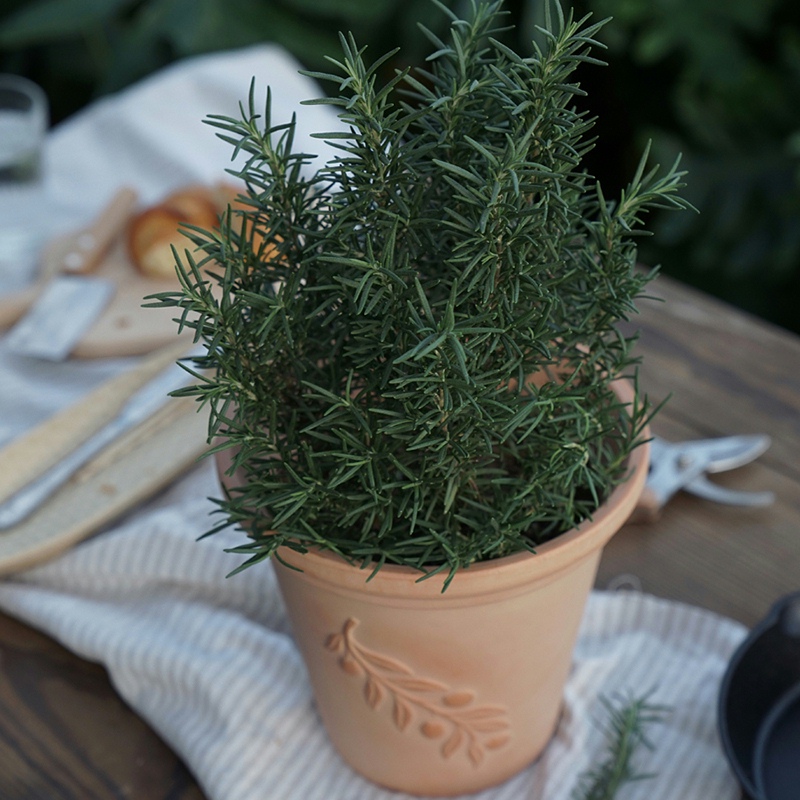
column 702, row 487
column 731, row 452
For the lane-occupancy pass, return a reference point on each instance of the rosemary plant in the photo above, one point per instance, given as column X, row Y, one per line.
column 410, row 347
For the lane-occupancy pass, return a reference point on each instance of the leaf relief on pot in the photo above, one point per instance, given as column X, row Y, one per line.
column 439, row 712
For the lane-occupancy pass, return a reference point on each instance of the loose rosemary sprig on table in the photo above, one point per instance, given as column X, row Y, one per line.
column 626, row 729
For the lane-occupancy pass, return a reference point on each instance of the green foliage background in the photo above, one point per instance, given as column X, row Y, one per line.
column 716, row 81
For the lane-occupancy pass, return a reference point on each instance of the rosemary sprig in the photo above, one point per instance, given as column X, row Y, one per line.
column 626, row 729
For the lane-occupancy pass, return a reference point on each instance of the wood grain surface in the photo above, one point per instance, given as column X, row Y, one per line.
column 724, row 373
column 64, row 733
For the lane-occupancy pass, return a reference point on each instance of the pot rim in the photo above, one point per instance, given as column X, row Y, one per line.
column 501, row 574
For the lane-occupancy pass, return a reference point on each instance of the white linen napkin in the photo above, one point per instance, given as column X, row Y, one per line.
column 209, row 661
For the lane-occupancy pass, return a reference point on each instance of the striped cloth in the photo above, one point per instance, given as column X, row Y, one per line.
column 209, row 662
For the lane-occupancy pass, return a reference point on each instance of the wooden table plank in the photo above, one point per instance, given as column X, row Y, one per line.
column 66, row 734
column 727, row 373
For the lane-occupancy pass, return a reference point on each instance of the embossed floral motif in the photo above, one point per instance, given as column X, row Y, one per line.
column 439, row 711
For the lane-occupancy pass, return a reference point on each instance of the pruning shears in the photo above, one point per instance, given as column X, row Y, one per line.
column 685, row 466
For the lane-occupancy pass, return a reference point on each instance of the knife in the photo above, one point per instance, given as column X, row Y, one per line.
column 145, row 402
column 67, row 302
column 60, row 316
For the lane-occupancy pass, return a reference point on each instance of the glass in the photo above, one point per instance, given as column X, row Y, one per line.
column 23, row 124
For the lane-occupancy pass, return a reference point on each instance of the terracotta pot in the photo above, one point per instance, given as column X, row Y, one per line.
column 448, row 693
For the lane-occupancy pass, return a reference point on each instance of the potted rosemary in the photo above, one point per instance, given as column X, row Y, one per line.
column 415, row 383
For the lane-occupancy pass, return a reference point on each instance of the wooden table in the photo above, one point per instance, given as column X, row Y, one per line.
column 725, row 373
column 64, row 733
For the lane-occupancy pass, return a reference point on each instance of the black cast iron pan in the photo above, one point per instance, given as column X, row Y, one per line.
column 759, row 706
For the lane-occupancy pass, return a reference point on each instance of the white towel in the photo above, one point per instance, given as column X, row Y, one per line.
column 209, row 661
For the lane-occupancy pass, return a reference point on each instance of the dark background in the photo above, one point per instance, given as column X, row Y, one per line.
column 718, row 82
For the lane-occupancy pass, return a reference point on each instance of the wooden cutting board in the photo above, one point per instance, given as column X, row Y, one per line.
column 125, row 327
column 133, row 468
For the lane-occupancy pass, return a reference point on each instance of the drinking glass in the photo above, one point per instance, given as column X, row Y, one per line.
column 23, row 124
